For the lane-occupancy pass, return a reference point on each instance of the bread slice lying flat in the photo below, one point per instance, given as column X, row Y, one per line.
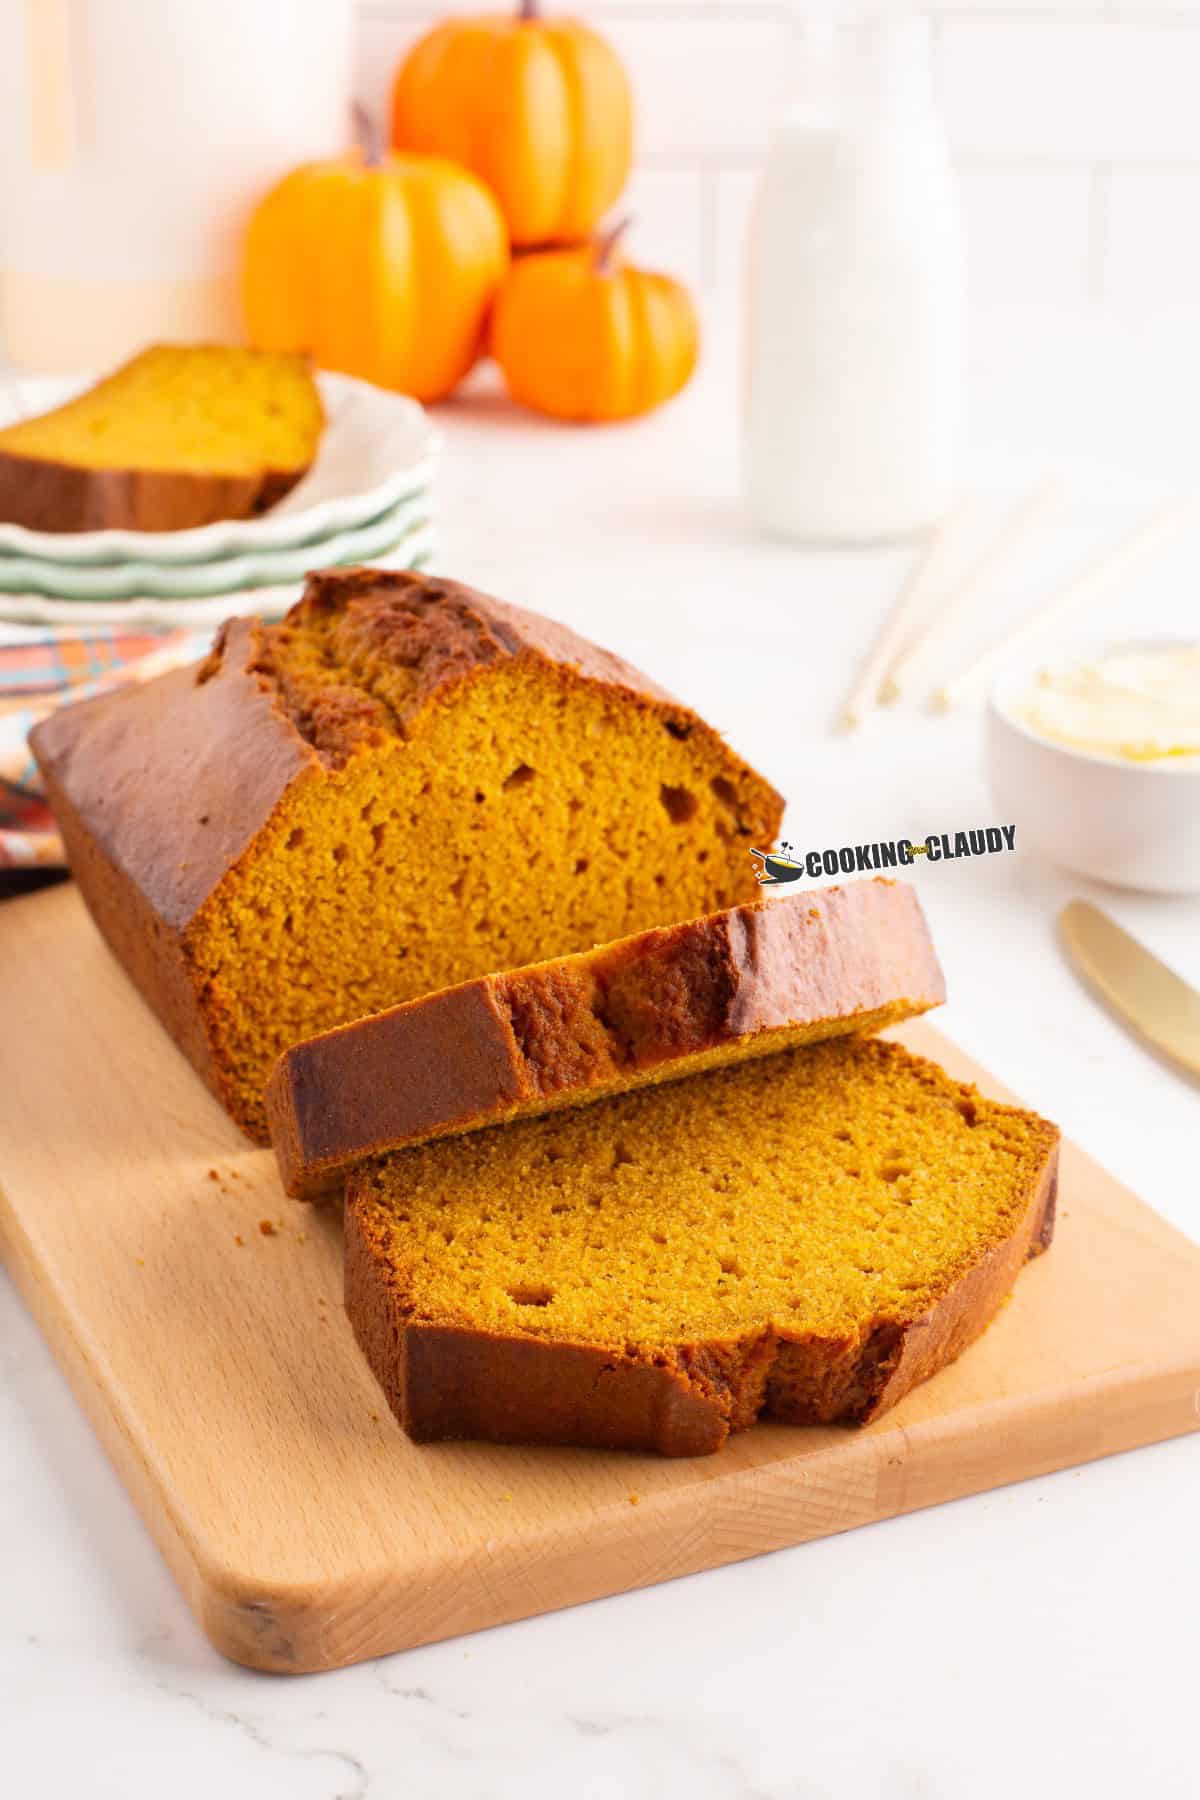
column 805, row 1237
column 181, row 435
column 649, row 1008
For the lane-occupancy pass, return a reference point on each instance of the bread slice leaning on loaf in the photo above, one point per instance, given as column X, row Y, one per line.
column 804, row 1237
column 400, row 785
column 654, row 1007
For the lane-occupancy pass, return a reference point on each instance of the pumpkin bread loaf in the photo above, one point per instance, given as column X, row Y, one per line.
column 803, row 1237
column 400, row 785
column 179, row 436
column 649, row 1008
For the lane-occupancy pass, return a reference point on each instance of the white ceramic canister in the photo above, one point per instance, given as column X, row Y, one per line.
column 135, row 137
column 856, row 315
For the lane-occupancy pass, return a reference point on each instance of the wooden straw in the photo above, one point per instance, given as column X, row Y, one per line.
column 1109, row 564
column 910, row 606
column 51, row 111
column 1019, row 524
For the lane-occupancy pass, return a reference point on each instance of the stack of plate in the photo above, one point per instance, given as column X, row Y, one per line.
column 367, row 499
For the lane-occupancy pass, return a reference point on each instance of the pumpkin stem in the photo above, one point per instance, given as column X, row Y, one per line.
column 528, row 11
column 608, row 245
column 370, row 139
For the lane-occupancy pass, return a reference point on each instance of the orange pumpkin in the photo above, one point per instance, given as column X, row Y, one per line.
column 540, row 109
column 581, row 335
column 380, row 267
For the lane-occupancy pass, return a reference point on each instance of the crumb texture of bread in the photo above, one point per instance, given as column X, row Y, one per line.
column 399, row 786
column 658, row 1006
column 179, row 436
column 804, row 1237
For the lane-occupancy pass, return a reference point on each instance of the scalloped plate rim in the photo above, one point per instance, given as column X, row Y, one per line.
column 415, row 550
column 188, row 581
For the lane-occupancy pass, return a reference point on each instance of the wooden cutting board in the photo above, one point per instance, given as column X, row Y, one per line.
column 198, row 1315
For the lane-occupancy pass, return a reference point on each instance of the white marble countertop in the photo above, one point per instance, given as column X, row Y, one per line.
column 1038, row 1640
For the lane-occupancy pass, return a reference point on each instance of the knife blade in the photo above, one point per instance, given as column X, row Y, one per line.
column 1158, row 1004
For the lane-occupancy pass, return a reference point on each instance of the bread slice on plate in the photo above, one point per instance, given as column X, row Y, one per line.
column 181, row 435
column 649, row 1008
column 400, row 785
column 803, row 1237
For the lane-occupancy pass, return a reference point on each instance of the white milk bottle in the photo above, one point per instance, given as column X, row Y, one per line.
column 856, row 327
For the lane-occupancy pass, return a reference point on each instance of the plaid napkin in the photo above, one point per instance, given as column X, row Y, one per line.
column 53, row 672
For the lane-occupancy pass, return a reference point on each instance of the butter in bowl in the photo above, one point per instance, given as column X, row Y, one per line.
column 1095, row 753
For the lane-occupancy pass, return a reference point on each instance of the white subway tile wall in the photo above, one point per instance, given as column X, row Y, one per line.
column 1075, row 123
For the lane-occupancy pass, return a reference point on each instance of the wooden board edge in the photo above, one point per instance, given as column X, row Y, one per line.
column 746, row 1512
column 116, row 1439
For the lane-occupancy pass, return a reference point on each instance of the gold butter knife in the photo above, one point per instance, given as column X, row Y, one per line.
column 1160, row 1006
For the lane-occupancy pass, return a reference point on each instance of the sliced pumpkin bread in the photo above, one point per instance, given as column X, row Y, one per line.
column 649, row 1008
column 400, row 785
column 803, row 1237
column 181, row 435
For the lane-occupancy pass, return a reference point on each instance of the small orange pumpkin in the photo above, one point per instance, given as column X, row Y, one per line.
column 380, row 267
column 540, row 109
column 579, row 334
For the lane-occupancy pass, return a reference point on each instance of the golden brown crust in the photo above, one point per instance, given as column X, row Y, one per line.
column 564, row 1031
column 172, row 777
column 443, row 1382
column 160, row 788
column 65, row 497
column 152, row 954
column 436, row 633
column 420, row 1068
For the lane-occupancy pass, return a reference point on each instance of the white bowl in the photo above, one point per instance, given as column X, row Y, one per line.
column 1130, row 824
